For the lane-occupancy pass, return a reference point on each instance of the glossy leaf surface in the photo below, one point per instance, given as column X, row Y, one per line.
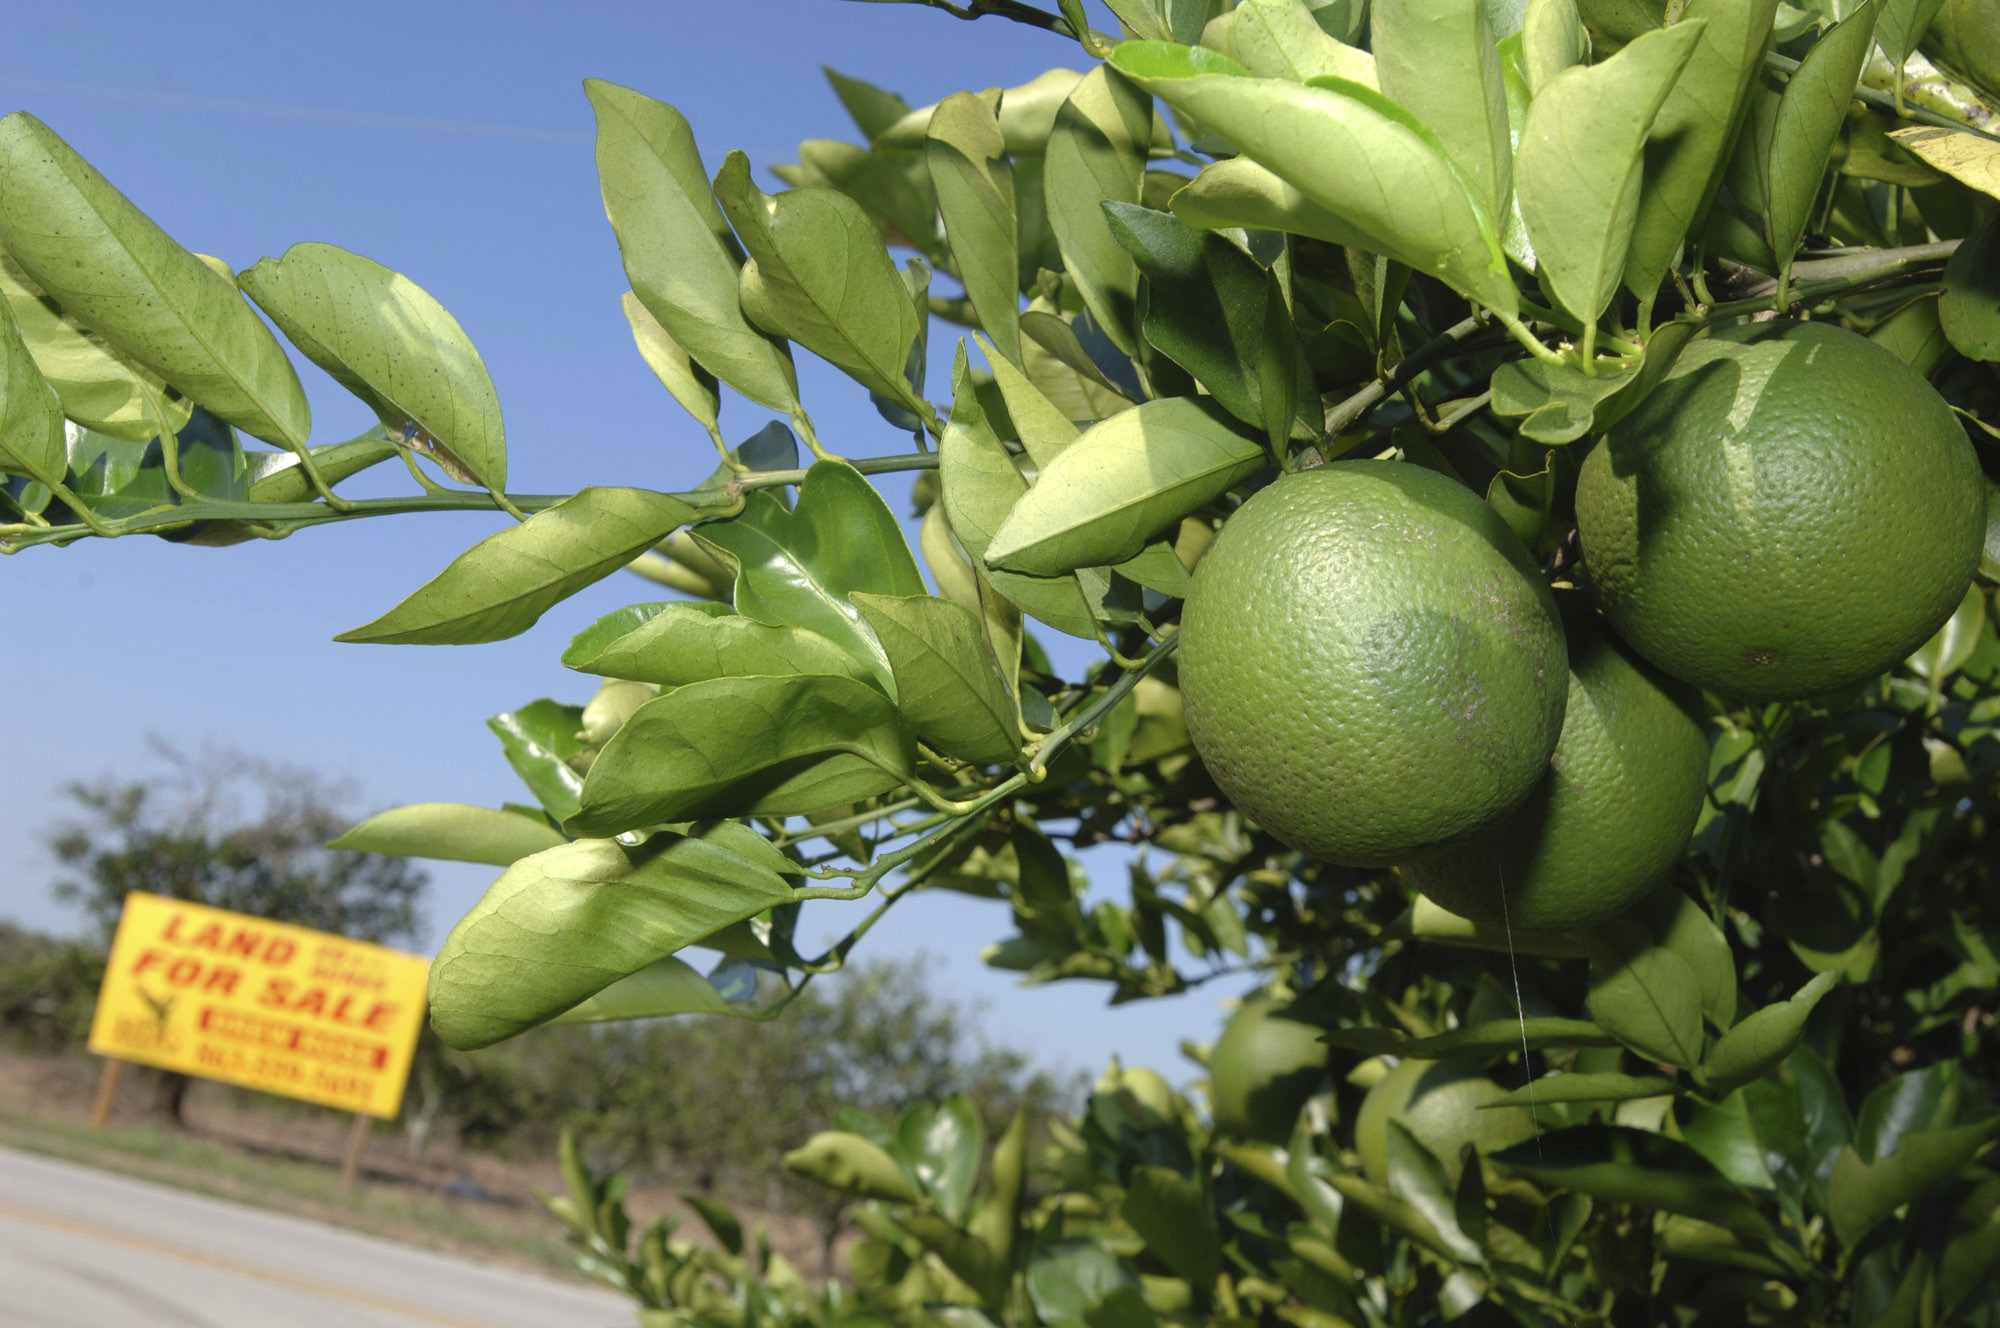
column 947, row 687
column 454, row 832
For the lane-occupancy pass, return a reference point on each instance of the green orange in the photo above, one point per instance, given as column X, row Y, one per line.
column 1261, row 1071
column 1613, row 814
column 1791, row 512
column 1370, row 663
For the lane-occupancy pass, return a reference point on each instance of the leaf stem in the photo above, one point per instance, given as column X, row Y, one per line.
column 1344, row 414
column 1051, row 746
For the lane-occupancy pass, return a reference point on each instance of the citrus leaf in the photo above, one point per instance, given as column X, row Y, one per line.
column 1683, row 927
column 1902, row 25
column 1433, row 922
column 981, row 486
column 500, row 586
column 853, row 1165
column 1639, row 1167
column 1689, row 147
column 1058, row 340
column 1436, row 58
column 1553, row 39
column 566, row 923
column 538, row 740
column 1281, row 39
column 1388, row 1210
column 1097, row 151
column 1644, row 995
column 1559, row 403
column 1418, row 1178
column 797, row 568
column 1176, row 1221
column 666, row 986
column 1239, row 192
column 1043, row 428
column 680, row 643
column 454, row 832
column 1027, row 116
column 819, row 275
column 383, row 338
column 1071, row 1277
column 1213, row 311
column 687, row 382
column 1811, row 115
column 745, row 746
column 31, row 416
column 1584, row 1088
column 947, row 688
column 114, row 270
column 1860, row 1194
column 680, row 258
column 1971, row 159
column 1764, row 1039
column 1483, row 1039
column 1582, row 151
column 100, row 389
column 277, row 477
column 941, row 1144
column 1969, row 309
column 967, row 157
column 1119, row 485
column 1347, row 149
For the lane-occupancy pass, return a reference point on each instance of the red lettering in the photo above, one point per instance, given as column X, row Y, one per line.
column 173, row 931
column 222, row 981
column 313, row 1002
column 208, row 938
column 380, row 1016
column 147, row 959
column 280, row 951
column 183, row 972
column 244, row 942
column 276, row 992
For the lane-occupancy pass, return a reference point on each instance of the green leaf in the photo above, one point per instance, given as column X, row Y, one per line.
column 1348, row 150
column 1580, row 167
column 1483, row 1039
column 852, row 1164
column 1059, row 340
column 1282, row 39
column 871, row 108
column 100, row 389
column 1097, row 152
column 687, row 382
column 1764, row 1039
column 277, row 477
column 1217, row 314
column 941, row 1145
column 1177, row 1222
column 1239, row 192
column 967, row 156
column 568, row 922
column 1387, row 1210
column 947, row 687
column 1419, row 1179
column 1969, row 309
column 1436, row 58
column 1068, row 1278
column 679, row 256
column 1682, row 926
column 1902, row 25
column 111, row 268
column 1639, row 1167
column 981, row 486
column 680, row 643
column 1861, row 1194
column 1119, row 485
column 664, row 987
column 1951, row 647
column 798, row 568
column 1644, row 995
column 383, row 338
column 1689, row 146
column 1043, row 428
column 1811, row 115
column 1969, row 158
column 1431, row 922
column 1027, row 116
column 1559, row 403
column 1585, row 1088
column 31, row 416
column 1553, row 39
column 452, row 831
column 745, row 746
column 538, row 740
column 819, row 275
column 500, row 586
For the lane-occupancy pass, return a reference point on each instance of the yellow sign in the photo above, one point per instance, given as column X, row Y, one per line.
column 268, row 1006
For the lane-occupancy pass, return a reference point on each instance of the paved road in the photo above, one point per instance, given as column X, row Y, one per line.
column 86, row 1249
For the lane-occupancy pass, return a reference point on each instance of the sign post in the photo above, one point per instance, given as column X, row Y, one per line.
column 263, row 1005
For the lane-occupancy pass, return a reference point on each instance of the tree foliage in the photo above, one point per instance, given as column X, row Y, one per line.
column 1250, row 239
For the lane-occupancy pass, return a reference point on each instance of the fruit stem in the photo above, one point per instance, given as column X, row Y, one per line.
column 1526, row 337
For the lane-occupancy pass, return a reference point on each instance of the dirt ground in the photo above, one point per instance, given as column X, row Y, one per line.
column 287, row 1156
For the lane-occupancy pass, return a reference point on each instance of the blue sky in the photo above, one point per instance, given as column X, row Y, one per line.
column 451, row 142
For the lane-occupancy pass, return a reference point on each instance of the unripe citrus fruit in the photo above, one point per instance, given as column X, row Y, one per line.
column 1614, row 812
column 1263, row 1068
column 1370, row 663
column 1439, row 1102
column 1791, row 512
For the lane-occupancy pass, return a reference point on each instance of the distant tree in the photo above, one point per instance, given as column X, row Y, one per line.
column 232, row 831
column 238, row 832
